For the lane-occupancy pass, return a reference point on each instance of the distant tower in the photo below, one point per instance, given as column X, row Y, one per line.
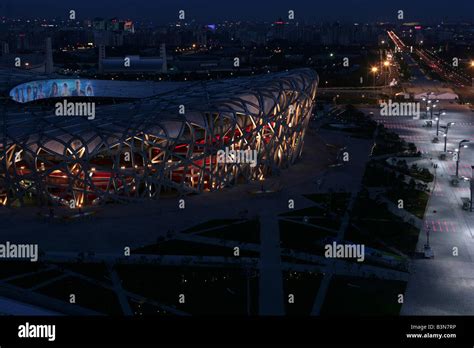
column 5, row 48
column 164, row 66
column 201, row 37
column 49, row 65
column 101, row 58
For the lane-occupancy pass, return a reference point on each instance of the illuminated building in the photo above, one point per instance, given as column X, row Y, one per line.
column 158, row 146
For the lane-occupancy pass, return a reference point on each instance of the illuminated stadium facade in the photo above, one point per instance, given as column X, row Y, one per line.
column 168, row 144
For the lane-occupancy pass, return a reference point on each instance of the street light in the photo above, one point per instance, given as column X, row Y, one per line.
column 374, row 71
column 386, row 64
column 462, row 144
column 449, row 124
column 428, row 101
column 440, row 113
column 432, row 109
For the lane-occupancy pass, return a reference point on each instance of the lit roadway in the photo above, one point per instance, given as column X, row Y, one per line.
column 442, row 68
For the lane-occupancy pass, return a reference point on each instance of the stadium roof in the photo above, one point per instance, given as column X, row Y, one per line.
column 159, row 114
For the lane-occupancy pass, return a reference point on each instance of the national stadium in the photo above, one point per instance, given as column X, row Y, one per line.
column 166, row 142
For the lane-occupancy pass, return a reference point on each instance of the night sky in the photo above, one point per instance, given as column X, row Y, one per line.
column 218, row 10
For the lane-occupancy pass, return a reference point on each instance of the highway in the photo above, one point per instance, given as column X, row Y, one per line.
column 445, row 70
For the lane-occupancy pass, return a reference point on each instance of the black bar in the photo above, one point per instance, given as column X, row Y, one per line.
column 225, row 330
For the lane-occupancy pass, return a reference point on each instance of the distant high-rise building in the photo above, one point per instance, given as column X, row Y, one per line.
column 201, row 37
column 5, row 48
column 108, row 38
column 101, row 58
column 49, row 65
column 129, row 26
column 21, row 42
column 279, row 29
column 164, row 67
column 113, row 24
column 99, row 24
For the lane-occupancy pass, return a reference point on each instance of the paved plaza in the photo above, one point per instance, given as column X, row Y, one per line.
column 442, row 285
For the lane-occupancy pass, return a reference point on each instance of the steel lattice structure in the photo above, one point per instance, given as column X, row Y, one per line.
column 157, row 146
